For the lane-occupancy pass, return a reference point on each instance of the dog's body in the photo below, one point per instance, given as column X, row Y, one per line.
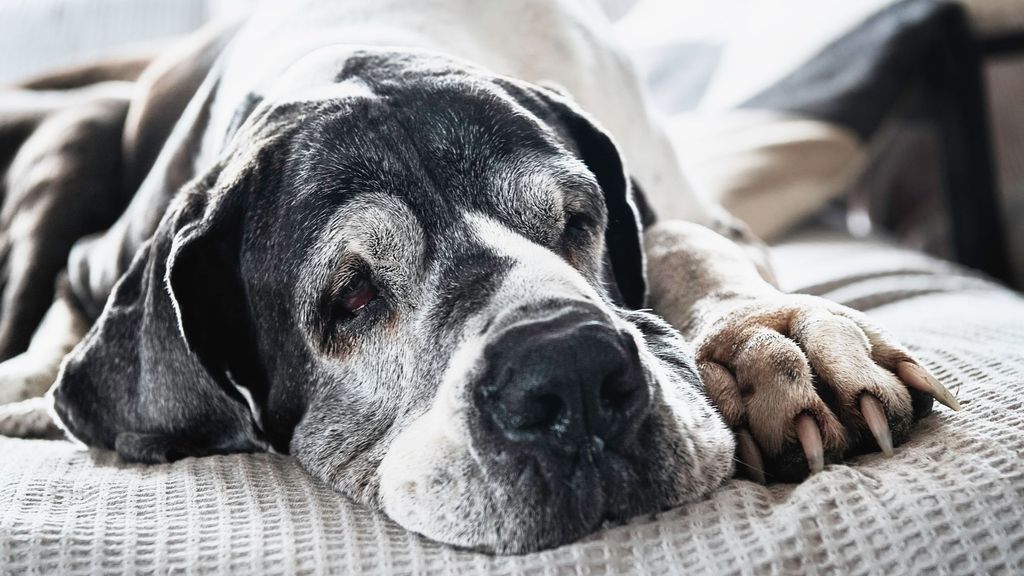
column 567, row 43
column 364, row 233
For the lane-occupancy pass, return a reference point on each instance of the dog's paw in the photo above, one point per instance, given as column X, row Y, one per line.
column 804, row 381
column 28, row 419
column 25, row 376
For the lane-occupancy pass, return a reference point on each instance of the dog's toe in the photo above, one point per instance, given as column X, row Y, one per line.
column 877, row 422
column 810, row 439
column 918, row 378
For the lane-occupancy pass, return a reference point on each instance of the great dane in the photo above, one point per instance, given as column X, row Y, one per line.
column 406, row 243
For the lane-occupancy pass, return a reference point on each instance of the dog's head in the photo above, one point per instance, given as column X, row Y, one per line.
column 422, row 281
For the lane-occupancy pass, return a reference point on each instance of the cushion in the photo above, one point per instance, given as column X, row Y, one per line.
column 950, row 499
column 778, row 108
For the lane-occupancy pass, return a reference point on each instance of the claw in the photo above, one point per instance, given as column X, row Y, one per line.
column 750, row 456
column 810, row 438
column 875, row 417
column 919, row 378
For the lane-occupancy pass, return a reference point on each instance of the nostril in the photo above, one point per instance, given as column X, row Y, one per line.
column 617, row 390
column 537, row 412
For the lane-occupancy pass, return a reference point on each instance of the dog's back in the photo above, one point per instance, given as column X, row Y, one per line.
column 568, row 43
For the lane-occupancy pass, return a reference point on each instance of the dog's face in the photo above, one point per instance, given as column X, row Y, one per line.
column 424, row 278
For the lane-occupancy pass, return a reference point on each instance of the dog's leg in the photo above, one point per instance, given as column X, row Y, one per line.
column 124, row 68
column 162, row 136
column 24, row 379
column 801, row 380
column 29, row 419
column 62, row 181
column 31, row 373
column 98, row 146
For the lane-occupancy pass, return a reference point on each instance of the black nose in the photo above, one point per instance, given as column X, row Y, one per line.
column 563, row 381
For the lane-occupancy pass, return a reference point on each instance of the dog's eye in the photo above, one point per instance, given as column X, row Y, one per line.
column 351, row 306
column 577, row 224
column 356, row 296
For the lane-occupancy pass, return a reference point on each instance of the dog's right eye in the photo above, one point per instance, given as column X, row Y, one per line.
column 353, row 304
column 359, row 293
column 358, row 296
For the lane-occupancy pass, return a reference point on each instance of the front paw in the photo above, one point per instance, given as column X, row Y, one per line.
column 29, row 419
column 804, row 381
column 25, row 376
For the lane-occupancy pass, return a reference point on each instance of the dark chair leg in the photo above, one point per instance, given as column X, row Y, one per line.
column 966, row 142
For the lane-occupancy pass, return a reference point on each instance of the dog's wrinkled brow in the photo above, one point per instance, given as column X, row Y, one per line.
column 535, row 192
column 376, row 228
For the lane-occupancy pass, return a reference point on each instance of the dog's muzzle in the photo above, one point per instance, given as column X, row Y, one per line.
column 565, row 381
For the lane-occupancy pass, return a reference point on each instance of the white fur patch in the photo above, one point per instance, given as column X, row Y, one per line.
column 538, row 273
column 352, row 88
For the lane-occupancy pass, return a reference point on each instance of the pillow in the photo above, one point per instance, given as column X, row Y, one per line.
column 776, row 106
column 767, row 168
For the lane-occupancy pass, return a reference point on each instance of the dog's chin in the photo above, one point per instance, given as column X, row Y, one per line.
column 437, row 482
column 460, row 503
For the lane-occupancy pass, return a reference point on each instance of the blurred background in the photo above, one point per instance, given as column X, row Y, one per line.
column 896, row 119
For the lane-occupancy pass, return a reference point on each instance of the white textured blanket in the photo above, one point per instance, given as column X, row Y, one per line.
column 951, row 500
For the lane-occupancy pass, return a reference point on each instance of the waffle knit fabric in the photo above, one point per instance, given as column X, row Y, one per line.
column 951, row 500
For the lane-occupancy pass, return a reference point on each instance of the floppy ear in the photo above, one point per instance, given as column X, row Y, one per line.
column 155, row 377
column 623, row 240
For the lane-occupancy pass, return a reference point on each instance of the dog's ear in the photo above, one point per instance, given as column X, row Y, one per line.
column 158, row 375
column 623, row 237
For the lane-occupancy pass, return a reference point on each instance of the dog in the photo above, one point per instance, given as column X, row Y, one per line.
column 442, row 253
